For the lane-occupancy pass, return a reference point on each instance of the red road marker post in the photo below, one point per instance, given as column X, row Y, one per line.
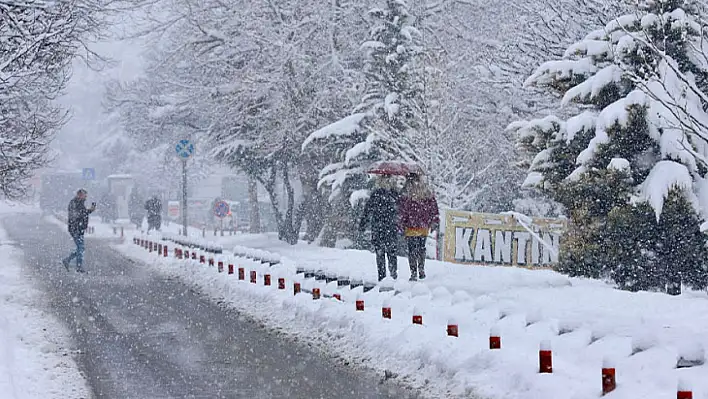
column 281, row 283
column 231, row 268
column 359, row 304
column 417, row 316
column 386, row 310
column 609, row 381
column 684, row 390
column 453, row 329
column 494, row 338
column 545, row 358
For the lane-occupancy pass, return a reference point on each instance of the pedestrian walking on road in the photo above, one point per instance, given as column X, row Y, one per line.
column 78, row 223
column 382, row 213
column 419, row 215
column 153, row 206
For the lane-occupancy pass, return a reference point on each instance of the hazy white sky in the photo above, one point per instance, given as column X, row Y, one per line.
column 84, row 96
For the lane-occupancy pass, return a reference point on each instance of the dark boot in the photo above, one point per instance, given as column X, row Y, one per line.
column 381, row 262
column 393, row 264
column 421, row 263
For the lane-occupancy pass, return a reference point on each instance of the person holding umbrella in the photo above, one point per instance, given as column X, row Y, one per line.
column 382, row 213
column 419, row 215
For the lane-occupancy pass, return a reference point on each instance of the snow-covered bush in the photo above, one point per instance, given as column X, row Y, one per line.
column 630, row 167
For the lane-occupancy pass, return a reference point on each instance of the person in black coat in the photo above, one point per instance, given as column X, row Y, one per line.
column 153, row 206
column 381, row 212
column 78, row 219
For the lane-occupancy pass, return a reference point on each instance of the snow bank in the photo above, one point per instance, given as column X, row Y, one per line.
column 585, row 321
column 35, row 349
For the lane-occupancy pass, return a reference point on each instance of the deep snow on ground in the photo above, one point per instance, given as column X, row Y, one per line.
column 587, row 323
column 35, row 349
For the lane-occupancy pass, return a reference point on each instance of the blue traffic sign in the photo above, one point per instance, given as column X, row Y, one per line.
column 184, row 149
column 88, row 174
column 221, row 209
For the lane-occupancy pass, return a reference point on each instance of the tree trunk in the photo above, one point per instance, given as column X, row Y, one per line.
column 291, row 235
column 285, row 222
column 255, row 212
column 313, row 206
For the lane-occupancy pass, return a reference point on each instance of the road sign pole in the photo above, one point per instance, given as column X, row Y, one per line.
column 184, row 149
column 184, row 197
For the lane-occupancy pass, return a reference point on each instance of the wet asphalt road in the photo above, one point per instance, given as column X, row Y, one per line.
column 141, row 335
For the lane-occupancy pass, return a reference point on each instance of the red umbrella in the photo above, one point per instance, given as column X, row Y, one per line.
column 397, row 168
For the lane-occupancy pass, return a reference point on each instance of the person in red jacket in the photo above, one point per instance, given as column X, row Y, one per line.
column 419, row 214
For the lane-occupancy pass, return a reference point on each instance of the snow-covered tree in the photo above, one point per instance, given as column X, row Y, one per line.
column 150, row 119
column 383, row 124
column 38, row 40
column 630, row 166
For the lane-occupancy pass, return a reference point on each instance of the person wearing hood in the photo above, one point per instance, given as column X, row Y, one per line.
column 153, row 206
column 419, row 216
column 381, row 212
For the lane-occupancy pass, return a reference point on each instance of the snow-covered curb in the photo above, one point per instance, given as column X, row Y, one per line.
column 586, row 321
column 35, row 349
column 324, row 323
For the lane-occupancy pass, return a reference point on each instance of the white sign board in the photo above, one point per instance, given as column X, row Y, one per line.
column 173, row 209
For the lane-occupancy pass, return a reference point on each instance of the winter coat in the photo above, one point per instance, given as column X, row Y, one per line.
column 153, row 206
column 418, row 215
column 381, row 211
column 78, row 217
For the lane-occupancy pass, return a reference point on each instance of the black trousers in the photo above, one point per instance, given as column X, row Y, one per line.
column 416, row 255
column 386, row 250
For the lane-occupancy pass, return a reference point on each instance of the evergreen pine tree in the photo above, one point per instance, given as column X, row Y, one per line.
column 629, row 166
column 380, row 126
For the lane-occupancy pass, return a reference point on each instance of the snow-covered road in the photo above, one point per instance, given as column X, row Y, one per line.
column 35, row 348
column 144, row 335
